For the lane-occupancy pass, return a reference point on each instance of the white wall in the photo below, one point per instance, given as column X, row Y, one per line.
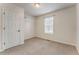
column 77, row 27
column 0, row 30
column 29, row 26
column 64, row 26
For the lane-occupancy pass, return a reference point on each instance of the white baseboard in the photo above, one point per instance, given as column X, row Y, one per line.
column 28, row 37
column 64, row 42
column 77, row 49
column 58, row 41
column 1, row 50
column 51, row 40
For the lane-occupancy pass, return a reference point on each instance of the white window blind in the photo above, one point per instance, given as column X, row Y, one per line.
column 48, row 25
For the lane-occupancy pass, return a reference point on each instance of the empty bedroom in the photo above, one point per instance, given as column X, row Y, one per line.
column 39, row 29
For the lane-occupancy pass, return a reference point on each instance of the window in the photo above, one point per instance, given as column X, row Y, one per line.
column 48, row 25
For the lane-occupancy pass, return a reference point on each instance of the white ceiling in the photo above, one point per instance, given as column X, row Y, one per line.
column 44, row 7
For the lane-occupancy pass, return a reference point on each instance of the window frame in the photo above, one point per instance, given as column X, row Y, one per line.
column 50, row 24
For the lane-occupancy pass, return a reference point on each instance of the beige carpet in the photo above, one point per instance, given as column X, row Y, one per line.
column 37, row 46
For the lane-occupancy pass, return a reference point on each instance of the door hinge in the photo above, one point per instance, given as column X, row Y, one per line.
column 4, row 43
column 18, row 30
column 4, row 28
column 3, row 13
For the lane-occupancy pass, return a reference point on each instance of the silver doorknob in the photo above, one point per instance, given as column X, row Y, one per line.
column 3, row 28
column 18, row 30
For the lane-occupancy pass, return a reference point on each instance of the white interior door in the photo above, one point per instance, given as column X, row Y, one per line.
column 0, row 29
column 12, row 28
column 8, row 27
column 19, row 15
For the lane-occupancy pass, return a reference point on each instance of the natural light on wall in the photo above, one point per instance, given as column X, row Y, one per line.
column 48, row 25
